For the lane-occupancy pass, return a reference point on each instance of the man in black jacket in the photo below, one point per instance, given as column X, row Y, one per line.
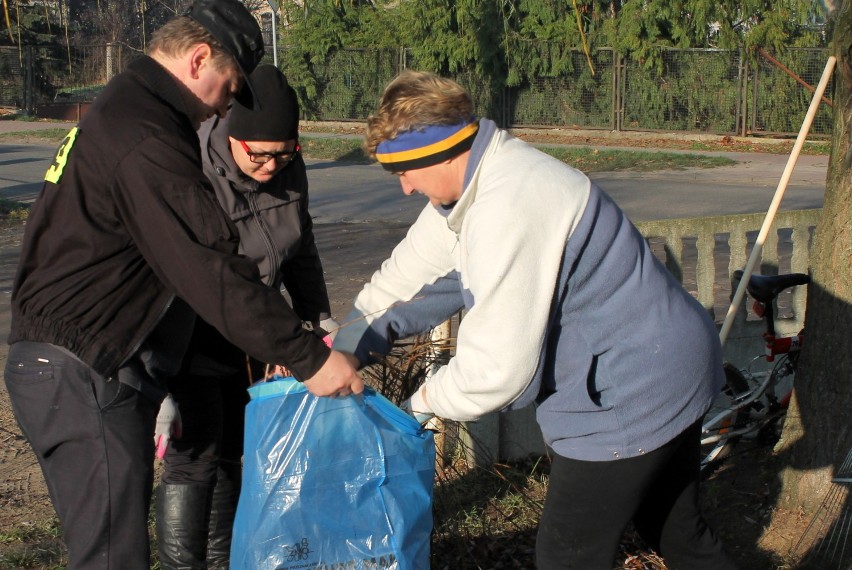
column 126, row 243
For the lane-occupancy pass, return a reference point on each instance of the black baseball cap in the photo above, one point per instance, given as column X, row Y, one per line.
column 230, row 22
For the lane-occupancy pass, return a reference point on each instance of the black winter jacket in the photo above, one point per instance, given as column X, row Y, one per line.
column 126, row 222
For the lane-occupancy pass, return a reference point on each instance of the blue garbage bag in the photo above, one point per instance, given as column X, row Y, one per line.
column 332, row 483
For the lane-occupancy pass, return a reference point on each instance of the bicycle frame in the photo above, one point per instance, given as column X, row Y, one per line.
column 751, row 398
column 745, row 399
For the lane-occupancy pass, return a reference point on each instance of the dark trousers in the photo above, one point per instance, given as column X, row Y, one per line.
column 212, row 410
column 94, row 440
column 590, row 503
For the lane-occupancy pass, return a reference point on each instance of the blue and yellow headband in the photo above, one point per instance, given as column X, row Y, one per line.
column 426, row 145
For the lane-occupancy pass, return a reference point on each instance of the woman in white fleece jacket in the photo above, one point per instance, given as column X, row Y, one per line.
column 566, row 307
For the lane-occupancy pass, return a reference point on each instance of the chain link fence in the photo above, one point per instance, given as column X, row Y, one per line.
column 12, row 78
column 692, row 90
column 778, row 102
column 345, row 86
column 36, row 76
column 697, row 90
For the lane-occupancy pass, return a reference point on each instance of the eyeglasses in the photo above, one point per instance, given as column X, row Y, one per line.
column 284, row 157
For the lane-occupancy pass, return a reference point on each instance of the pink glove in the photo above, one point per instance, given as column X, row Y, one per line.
column 168, row 426
column 325, row 329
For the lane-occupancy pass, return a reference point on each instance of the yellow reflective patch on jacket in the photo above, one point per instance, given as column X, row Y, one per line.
column 54, row 171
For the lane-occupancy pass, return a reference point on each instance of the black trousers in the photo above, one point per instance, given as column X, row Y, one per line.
column 212, row 410
column 94, row 440
column 589, row 504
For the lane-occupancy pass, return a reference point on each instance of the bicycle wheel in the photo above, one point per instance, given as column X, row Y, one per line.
column 716, row 444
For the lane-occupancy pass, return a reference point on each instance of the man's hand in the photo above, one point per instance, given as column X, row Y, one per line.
column 352, row 360
column 337, row 377
column 169, row 425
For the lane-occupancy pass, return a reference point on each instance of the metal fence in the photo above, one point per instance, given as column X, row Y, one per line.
column 695, row 90
column 33, row 76
column 698, row 90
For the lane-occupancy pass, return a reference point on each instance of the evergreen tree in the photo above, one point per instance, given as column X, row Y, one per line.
column 313, row 33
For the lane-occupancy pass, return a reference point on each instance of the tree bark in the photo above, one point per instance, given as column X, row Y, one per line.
column 818, row 431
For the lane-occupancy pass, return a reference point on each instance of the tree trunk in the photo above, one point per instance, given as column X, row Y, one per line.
column 818, row 432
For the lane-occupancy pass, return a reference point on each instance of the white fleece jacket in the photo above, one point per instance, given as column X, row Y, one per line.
column 503, row 241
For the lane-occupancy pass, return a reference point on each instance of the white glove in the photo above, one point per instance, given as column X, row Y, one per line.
column 326, row 329
column 417, row 407
column 169, row 425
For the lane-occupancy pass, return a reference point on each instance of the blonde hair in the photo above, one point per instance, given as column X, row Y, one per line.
column 416, row 98
column 182, row 33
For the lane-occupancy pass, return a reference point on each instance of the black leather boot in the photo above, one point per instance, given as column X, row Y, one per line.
column 222, row 513
column 183, row 514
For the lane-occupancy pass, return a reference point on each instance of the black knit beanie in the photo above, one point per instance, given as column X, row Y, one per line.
column 278, row 116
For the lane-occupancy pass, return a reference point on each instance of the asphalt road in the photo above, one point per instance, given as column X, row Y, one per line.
column 358, row 193
column 361, row 213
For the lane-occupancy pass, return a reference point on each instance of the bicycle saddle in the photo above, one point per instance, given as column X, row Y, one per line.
column 765, row 288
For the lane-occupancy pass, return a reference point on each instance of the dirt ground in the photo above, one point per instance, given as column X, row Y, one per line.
column 739, row 499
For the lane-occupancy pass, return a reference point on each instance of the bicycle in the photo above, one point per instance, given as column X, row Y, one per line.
column 752, row 402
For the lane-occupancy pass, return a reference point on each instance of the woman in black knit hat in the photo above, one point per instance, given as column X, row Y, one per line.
column 252, row 159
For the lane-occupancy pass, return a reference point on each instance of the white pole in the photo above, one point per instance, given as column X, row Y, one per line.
column 776, row 201
column 274, row 40
column 273, row 5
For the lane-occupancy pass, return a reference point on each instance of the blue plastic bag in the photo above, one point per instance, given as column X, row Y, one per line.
column 332, row 483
